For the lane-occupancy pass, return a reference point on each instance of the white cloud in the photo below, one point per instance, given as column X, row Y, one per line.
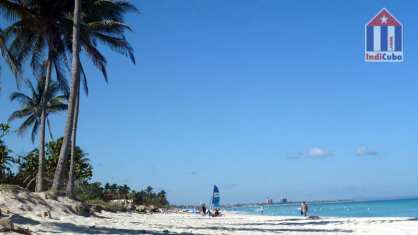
column 314, row 152
column 317, row 152
column 363, row 151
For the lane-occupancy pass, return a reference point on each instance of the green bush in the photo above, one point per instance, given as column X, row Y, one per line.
column 106, row 206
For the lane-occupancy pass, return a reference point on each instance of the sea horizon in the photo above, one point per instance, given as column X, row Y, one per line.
column 401, row 207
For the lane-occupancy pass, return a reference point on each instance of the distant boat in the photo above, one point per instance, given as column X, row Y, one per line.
column 216, row 199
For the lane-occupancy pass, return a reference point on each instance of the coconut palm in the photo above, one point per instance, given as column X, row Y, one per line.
column 34, row 35
column 74, row 96
column 39, row 104
column 42, row 30
column 101, row 22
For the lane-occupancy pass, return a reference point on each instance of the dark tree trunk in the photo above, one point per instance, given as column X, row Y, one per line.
column 70, row 183
column 75, row 78
column 40, row 175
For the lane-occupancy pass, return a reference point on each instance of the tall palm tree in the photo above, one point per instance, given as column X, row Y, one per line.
column 73, row 100
column 101, row 21
column 42, row 30
column 40, row 104
column 35, row 35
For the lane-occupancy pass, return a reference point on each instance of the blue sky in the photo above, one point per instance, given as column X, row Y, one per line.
column 263, row 98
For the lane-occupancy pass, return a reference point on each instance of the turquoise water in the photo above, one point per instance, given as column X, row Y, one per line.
column 383, row 208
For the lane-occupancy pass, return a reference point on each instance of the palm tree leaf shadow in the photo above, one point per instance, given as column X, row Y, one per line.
column 268, row 230
column 69, row 227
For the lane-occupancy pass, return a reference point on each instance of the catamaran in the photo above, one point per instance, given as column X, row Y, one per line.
column 216, row 199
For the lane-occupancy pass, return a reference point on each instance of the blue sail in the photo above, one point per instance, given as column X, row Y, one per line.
column 216, row 199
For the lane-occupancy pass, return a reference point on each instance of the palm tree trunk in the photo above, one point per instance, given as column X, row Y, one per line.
column 75, row 78
column 70, row 183
column 40, row 175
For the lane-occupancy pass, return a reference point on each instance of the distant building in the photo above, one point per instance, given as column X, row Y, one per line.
column 284, row 200
column 269, row 201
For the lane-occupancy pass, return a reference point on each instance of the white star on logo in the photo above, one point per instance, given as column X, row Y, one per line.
column 384, row 19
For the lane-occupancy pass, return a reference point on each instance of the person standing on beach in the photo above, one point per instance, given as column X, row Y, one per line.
column 204, row 210
column 304, row 209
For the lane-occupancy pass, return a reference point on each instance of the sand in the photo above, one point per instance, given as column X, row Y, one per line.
column 25, row 209
column 133, row 223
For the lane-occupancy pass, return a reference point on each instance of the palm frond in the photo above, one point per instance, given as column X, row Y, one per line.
column 26, row 124
column 11, row 61
column 35, row 130
column 84, row 80
column 21, row 98
column 49, row 128
column 56, row 106
column 11, row 10
column 20, row 114
column 63, row 84
column 96, row 57
column 120, row 45
column 108, row 26
column 38, row 51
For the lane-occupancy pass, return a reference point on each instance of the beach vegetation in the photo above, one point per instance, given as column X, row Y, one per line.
column 6, row 162
column 96, row 192
column 28, row 165
column 95, row 23
column 48, row 37
column 22, row 171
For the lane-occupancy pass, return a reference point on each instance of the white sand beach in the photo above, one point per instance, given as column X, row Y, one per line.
column 25, row 210
column 133, row 223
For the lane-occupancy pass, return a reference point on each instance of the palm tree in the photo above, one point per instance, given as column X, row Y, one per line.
column 123, row 191
column 69, row 125
column 70, row 183
column 5, row 161
column 149, row 190
column 45, row 28
column 34, row 34
column 40, row 104
column 101, row 21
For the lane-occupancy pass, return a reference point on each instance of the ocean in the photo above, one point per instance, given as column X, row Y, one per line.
column 380, row 208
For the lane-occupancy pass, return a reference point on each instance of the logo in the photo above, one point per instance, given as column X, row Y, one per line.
column 384, row 39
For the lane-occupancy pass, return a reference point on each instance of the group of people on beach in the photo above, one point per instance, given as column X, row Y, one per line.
column 215, row 213
column 205, row 211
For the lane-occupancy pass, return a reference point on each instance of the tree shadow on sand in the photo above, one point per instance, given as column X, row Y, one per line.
column 268, row 230
column 21, row 220
column 322, row 222
column 69, row 227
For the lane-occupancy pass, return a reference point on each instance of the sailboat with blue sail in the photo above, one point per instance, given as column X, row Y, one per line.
column 216, row 199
